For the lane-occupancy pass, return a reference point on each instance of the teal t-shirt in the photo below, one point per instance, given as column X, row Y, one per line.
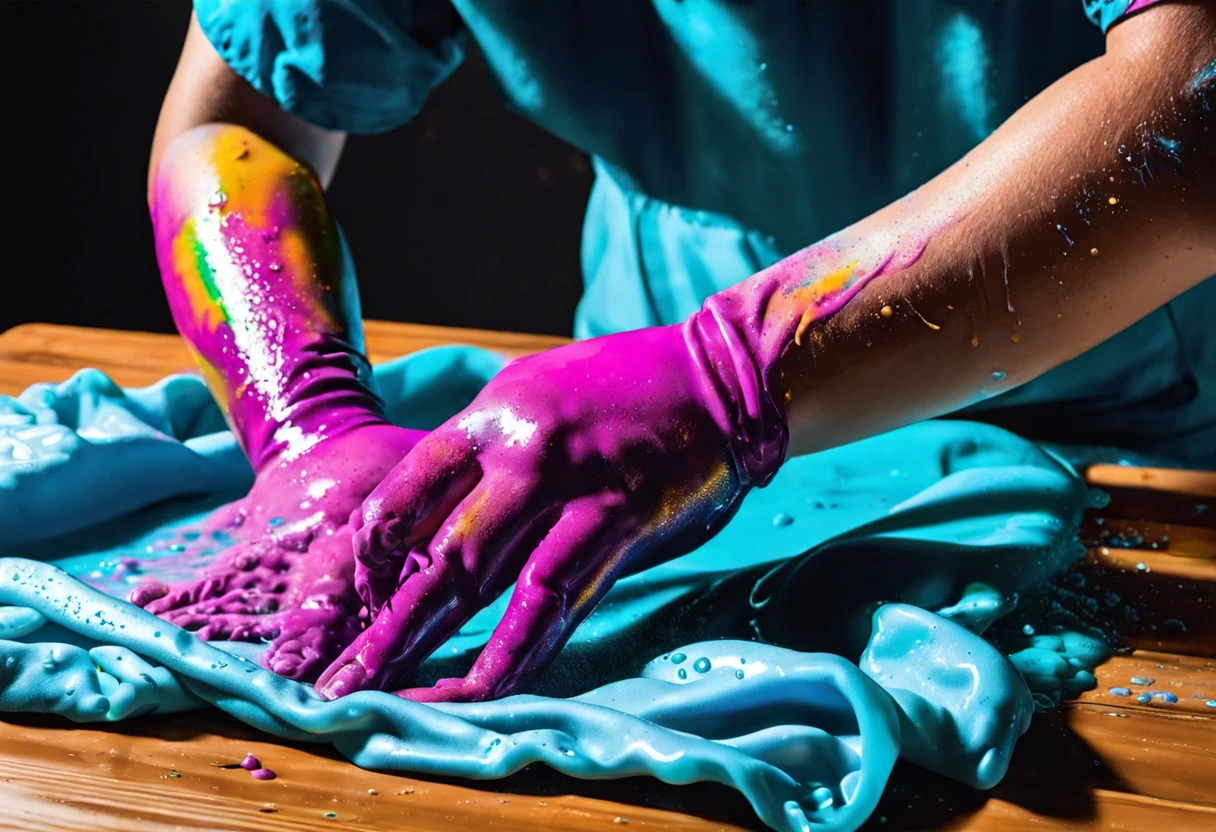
column 727, row 134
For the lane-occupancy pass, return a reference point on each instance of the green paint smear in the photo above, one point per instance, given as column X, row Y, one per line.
column 205, row 272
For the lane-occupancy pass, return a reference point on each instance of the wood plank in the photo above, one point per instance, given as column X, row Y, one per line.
column 1173, row 598
column 1177, row 539
column 1103, row 810
column 1191, row 678
column 386, row 339
column 1111, row 810
column 1161, row 506
column 1100, row 762
column 33, row 353
column 167, row 774
column 1198, row 484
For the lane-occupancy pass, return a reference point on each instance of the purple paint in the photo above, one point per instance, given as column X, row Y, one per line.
column 261, row 287
column 250, row 763
column 570, row 469
column 579, row 465
column 263, row 774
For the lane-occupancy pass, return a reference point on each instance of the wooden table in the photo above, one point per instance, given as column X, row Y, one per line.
column 1099, row 762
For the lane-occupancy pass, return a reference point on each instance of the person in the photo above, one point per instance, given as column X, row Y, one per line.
column 1060, row 206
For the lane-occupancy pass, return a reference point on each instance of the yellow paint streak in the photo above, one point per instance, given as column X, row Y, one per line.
column 203, row 310
column 926, row 321
column 470, row 518
column 216, row 383
column 674, row 505
column 301, row 265
column 829, row 284
column 251, row 172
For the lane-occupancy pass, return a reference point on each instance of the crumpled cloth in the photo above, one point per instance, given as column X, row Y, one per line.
column 888, row 557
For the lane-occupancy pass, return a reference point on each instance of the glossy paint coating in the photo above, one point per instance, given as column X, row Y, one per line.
column 969, row 506
column 262, row 289
column 577, row 466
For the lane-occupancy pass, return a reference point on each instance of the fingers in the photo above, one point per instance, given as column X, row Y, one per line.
column 185, row 596
column 148, row 592
column 432, row 603
column 404, row 509
column 417, row 494
column 308, row 640
column 468, row 563
column 562, row 582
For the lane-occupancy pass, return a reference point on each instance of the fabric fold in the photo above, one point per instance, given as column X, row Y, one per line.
column 833, row 626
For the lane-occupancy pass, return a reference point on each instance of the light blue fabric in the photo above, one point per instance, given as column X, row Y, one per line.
column 957, row 517
column 393, row 55
column 1104, row 13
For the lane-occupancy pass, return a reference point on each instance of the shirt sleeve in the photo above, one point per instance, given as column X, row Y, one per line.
column 360, row 66
column 1105, row 13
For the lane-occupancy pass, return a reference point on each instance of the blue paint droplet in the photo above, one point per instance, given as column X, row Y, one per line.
column 682, row 673
column 738, row 674
column 782, row 519
column 275, row 521
column 702, row 665
column 678, row 658
column 1141, row 680
column 1028, row 630
column 1120, row 692
column 1144, row 698
column 998, row 375
column 1211, row 703
column 1173, row 147
column 1171, row 698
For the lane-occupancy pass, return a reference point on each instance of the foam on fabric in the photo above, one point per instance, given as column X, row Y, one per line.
column 892, row 556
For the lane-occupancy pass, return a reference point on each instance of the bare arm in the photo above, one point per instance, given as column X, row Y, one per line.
column 257, row 273
column 205, row 91
column 1089, row 208
column 262, row 289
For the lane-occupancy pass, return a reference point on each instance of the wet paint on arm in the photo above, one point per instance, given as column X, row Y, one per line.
column 262, row 288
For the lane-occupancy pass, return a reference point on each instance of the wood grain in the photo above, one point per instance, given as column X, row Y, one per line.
column 31, row 353
column 1100, row 762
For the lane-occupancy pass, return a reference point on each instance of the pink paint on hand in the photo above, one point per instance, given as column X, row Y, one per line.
column 261, row 287
column 575, row 467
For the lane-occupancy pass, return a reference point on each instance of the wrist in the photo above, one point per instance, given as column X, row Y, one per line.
column 327, row 394
column 736, row 390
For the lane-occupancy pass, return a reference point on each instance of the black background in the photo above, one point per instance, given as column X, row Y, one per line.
column 466, row 216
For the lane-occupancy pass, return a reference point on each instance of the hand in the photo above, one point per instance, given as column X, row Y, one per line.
column 287, row 574
column 570, row 469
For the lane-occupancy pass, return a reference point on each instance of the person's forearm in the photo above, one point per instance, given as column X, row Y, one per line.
column 262, row 288
column 1092, row 206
